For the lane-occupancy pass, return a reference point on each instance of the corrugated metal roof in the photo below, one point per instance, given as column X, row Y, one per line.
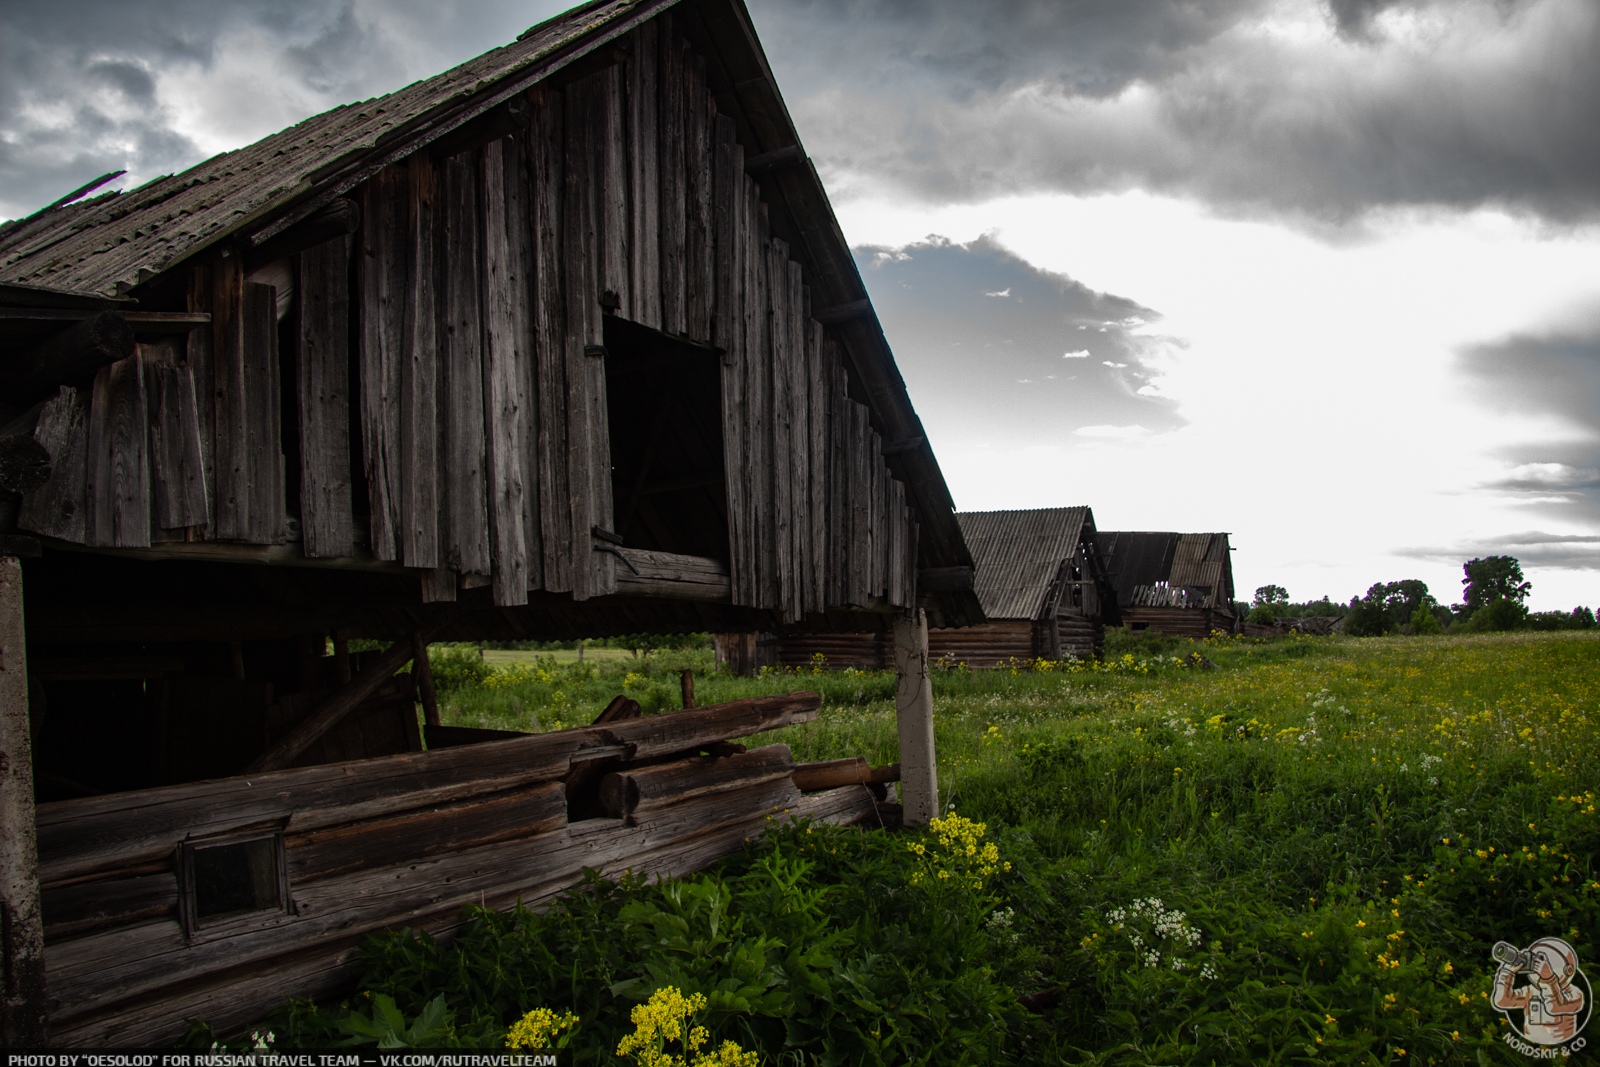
column 1016, row 555
column 107, row 244
column 1140, row 560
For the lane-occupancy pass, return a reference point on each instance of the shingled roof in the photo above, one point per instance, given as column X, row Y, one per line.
column 1198, row 563
column 110, row 243
column 1018, row 554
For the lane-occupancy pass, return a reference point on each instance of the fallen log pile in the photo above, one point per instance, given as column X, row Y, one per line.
column 214, row 899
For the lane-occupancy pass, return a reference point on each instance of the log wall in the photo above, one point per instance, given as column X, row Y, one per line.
column 467, row 433
column 405, row 840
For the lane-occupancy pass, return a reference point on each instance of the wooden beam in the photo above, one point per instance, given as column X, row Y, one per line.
column 336, row 219
column 337, row 706
column 919, row 786
column 23, row 1008
column 846, row 312
column 71, row 357
column 778, row 157
column 671, row 576
column 424, row 672
column 634, row 791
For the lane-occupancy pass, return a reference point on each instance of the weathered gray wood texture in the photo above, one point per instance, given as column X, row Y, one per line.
column 403, row 840
column 474, row 407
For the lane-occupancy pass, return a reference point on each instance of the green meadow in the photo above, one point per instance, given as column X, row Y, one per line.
column 1297, row 850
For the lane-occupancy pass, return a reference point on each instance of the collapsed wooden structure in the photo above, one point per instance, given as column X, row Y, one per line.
column 563, row 342
column 1172, row 583
column 1039, row 577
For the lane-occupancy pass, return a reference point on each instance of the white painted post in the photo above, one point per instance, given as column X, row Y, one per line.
column 22, row 1003
column 919, row 787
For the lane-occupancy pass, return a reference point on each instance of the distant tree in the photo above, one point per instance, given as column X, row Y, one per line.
column 1500, row 613
column 1493, row 578
column 1579, row 618
column 1366, row 617
column 1424, row 621
column 1317, row 609
column 1271, row 596
column 1582, row 618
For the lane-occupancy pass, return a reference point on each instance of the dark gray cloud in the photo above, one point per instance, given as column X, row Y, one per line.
column 83, row 86
column 1554, row 376
column 987, row 340
column 1431, row 103
column 1533, row 549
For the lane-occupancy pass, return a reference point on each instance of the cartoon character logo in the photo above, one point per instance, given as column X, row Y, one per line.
column 1542, row 992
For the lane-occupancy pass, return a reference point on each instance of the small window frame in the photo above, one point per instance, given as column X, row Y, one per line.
column 205, row 928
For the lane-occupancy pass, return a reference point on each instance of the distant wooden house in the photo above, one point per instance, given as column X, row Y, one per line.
column 1172, row 583
column 564, row 342
column 1044, row 592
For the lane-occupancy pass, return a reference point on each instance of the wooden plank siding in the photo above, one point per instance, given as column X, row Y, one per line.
column 467, row 434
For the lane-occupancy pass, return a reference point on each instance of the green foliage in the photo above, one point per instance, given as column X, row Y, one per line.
column 1316, row 609
column 1497, row 615
column 1367, row 618
column 1262, row 615
column 1320, row 841
column 456, row 668
column 1424, row 621
column 1272, row 597
column 385, row 1026
column 1493, row 578
column 1579, row 618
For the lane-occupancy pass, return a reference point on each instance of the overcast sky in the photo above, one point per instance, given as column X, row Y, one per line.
column 1321, row 273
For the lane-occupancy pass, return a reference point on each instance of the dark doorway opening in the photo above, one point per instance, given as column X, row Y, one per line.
column 664, row 405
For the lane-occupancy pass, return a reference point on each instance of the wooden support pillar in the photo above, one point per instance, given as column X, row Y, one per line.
column 22, row 1002
column 913, row 705
column 424, row 675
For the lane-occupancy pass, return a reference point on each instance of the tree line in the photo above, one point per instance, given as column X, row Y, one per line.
column 1494, row 596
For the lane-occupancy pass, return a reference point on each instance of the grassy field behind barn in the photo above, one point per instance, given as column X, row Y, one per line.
column 1288, row 851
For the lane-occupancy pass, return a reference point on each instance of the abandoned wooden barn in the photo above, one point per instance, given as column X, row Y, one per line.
column 1172, row 583
column 1039, row 578
column 564, row 342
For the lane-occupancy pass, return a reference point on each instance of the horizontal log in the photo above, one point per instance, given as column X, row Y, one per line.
column 629, row 791
column 71, row 357
column 786, row 156
column 846, row 312
column 672, row 576
column 91, row 974
column 831, row 774
column 693, row 729
column 83, row 835
column 102, row 668
column 71, row 910
column 233, row 999
column 376, row 843
column 845, row 806
column 452, row 736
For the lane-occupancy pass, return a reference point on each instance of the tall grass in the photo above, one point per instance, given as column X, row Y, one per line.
column 1286, row 851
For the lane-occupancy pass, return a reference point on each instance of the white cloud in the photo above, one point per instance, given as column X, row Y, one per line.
column 1000, row 292
column 1080, row 354
column 1113, row 433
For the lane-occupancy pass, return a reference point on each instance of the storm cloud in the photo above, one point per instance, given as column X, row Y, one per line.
column 1554, row 377
column 102, row 85
column 1290, row 108
column 986, row 339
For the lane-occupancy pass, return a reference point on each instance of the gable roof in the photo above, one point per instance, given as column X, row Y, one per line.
column 1017, row 555
column 1138, row 562
column 110, row 244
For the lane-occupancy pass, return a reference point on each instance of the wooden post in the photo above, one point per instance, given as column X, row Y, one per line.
column 919, row 788
column 22, row 1002
column 424, row 674
column 686, row 683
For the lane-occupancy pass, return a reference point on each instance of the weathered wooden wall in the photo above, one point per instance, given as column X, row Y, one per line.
column 405, row 840
column 475, row 293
